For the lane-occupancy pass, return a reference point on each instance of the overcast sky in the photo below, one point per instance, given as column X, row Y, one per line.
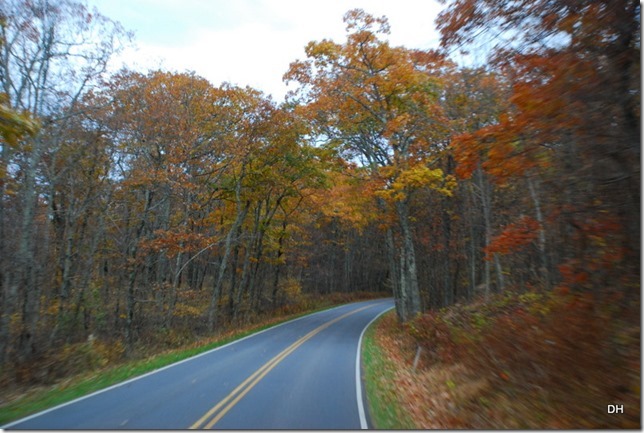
column 252, row 42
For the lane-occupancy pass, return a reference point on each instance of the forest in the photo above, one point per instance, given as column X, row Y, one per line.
column 149, row 207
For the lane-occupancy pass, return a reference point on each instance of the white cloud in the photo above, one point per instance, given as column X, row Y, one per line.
column 252, row 42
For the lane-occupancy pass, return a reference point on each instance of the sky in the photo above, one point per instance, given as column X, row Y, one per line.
column 251, row 42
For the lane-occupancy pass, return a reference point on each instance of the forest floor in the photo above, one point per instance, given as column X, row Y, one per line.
column 529, row 361
column 88, row 366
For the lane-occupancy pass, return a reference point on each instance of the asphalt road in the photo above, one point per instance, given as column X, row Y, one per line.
column 303, row 374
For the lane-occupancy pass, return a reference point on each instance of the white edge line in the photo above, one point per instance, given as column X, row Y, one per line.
column 361, row 411
column 100, row 391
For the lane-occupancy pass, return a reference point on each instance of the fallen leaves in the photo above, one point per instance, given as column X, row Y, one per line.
column 520, row 361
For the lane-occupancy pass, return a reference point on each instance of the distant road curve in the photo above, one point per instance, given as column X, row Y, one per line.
column 302, row 374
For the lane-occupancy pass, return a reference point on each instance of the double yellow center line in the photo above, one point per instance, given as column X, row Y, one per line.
column 220, row 409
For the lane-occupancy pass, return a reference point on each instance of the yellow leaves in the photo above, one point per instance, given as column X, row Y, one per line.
column 379, row 103
column 13, row 125
column 325, row 49
column 448, row 186
column 292, row 288
column 417, row 177
column 402, row 182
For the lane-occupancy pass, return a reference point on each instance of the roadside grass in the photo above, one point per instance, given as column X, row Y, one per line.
column 386, row 408
column 39, row 398
column 70, row 389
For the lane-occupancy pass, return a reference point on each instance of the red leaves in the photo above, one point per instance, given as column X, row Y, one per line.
column 541, row 355
column 571, row 275
column 467, row 150
column 600, row 250
column 513, row 237
column 500, row 149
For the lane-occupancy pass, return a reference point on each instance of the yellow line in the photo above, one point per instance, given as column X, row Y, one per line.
column 240, row 391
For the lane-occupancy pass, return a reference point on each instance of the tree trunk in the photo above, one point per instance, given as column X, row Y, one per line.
column 448, row 291
column 216, row 290
column 473, row 250
column 25, row 256
column 233, row 281
column 174, row 287
column 243, row 281
column 543, row 254
column 394, row 278
column 486, row 204
column 410, row 292
column 130, row 303
column 278, row 267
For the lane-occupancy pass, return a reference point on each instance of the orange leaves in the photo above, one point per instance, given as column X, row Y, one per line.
column 499, row 151
column 485, row 134
column 173, row 242
column 507, row 161
column 349, row 201
column 466, row 153
column 377, row 104
column 513, row 237
column 365, row 90
column 397, row 124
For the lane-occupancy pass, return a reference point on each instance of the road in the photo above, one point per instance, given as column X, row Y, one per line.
column 302, row 374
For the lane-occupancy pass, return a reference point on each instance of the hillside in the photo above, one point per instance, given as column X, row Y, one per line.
column 520, row 361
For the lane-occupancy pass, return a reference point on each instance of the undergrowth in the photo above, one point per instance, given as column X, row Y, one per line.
column 531, row 360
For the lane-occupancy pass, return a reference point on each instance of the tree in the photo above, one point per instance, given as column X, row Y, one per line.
column 571, row 132
column 13, row 126
column 378, row 105
column 50, row 55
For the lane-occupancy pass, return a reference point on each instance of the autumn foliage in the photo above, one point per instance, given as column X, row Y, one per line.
column 150, row 209
column 553, row 161
column 513, row 237
column 538, row 361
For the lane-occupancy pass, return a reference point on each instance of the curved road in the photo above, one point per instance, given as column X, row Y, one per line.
column 302, row 374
